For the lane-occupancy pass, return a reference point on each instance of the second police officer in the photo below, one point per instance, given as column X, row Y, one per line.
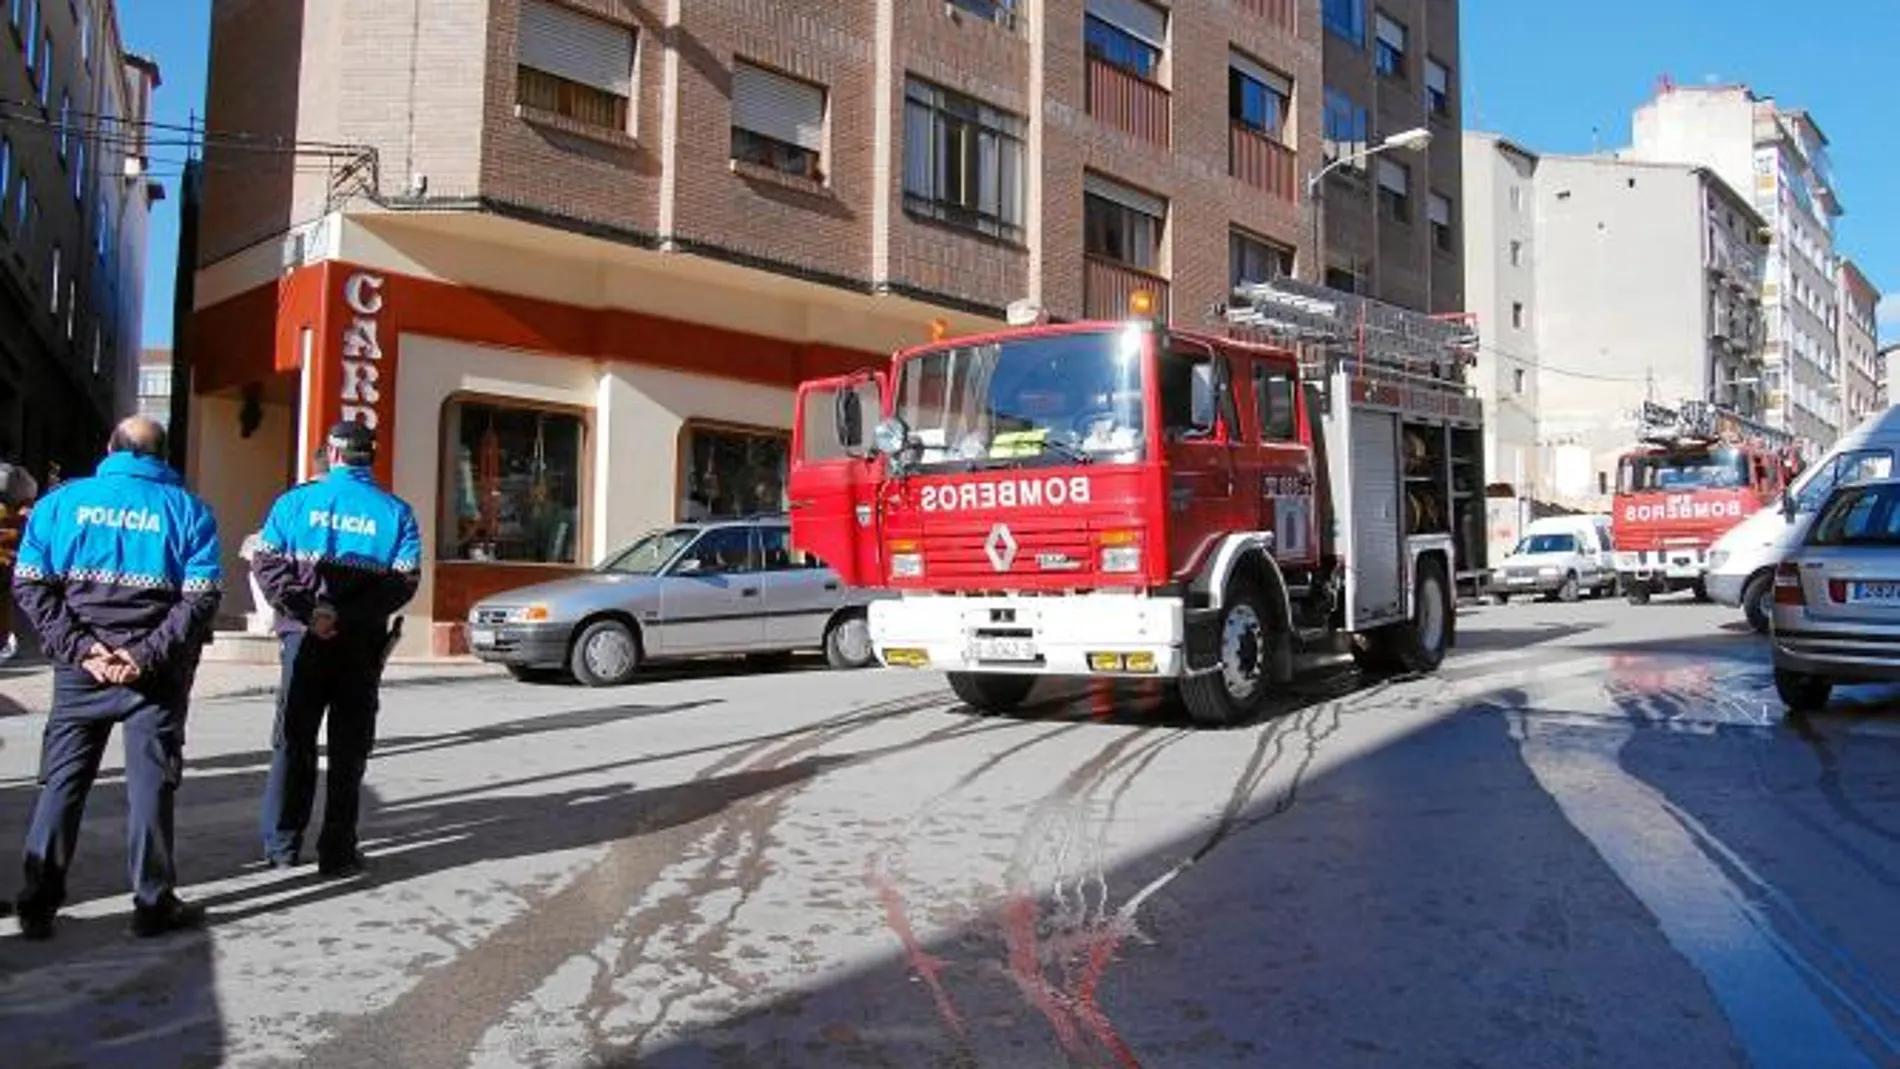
column 337, row 557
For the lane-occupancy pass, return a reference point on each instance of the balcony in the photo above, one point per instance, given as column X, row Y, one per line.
column 1133, row 105
column 1277, row 12
column 1107, row 285
column 1262, row 163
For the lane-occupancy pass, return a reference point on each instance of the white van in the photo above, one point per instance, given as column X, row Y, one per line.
column 1742, row 562
column 1561, row 556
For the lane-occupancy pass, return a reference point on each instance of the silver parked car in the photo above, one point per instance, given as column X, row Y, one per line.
column 1836, row 616
column 694, row 589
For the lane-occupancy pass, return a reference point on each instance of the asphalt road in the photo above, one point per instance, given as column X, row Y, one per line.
column 1591, row 840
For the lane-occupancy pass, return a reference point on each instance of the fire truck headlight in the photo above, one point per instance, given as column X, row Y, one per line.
column 907, row 565
column 1121, row 559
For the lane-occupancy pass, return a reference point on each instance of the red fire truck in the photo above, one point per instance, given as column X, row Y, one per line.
column 1130, row 499
column 1700, row 470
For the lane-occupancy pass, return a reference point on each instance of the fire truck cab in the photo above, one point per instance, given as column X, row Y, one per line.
column 1130, row 499
column 1699, row 471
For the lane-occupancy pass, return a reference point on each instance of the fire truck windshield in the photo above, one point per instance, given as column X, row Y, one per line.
column 1679, row 470
column 1056, row 398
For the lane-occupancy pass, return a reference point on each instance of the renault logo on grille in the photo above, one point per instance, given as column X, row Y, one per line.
column 1001, row 547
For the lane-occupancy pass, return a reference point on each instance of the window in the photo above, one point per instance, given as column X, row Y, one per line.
column 1860, row 516
column 513, row 481
column 963, row 161
column 1341, row 278
column 1438, row 209
column 574, row 65
column 1345, row 124
column 1273, row 401
column 775, row 547
column 1125, row 33
column 46, row 69
column 1257, row 97
column 777, row 122
column 1517, row 253
column 1517, row 315
column 1001, row 12
column 721, row 551
column 1121, row 224
column 1388, row 55
column 1437, row 88
column 1345, row 19
column 1250, row 259
column 1517, row 198
column 1193, row 389
column 1395, row 197
column 56, row 279
column 1517, row 381
column 732, row 472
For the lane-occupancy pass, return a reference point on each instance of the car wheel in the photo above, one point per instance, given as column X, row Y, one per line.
column 606, row 654
column 1639, row 593
column 1500, row 599
column 1758, row 602
column 1234, row 691
column 848, row 642
column 991, row 692
column 1570, row 591
column 1801, row 692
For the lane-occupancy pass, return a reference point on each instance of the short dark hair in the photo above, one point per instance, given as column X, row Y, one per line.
column 353, row 441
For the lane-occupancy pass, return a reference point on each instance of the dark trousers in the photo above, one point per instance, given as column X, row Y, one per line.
column 339, row 677
column 84, row 712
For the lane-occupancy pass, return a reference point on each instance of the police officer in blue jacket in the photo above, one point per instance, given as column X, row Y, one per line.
column 338, row 556
column 120, row 574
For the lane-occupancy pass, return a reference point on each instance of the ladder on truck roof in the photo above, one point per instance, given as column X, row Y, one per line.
column 1705, row 421
column 1325, row 321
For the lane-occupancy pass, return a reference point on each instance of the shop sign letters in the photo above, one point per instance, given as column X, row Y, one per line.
column 362, row 352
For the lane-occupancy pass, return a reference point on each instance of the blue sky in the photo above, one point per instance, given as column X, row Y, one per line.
column 1555, row 75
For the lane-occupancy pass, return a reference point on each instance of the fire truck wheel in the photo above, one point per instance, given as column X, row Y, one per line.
column 1569, row 591
column 991, row 692
column 1233, row 692
column 1421, row 641
column 1701, row 590
column 1758, row 601
column 1639, row 593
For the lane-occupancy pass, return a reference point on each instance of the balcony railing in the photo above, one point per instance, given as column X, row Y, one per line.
column 1262, row 162
column 1130, row 104
column 1107, row 285
column 1278, row 12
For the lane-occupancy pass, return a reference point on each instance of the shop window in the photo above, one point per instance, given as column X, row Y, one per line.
column 512, row 483
column 732, row 472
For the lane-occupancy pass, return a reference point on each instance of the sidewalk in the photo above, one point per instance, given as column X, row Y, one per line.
column 26, row 687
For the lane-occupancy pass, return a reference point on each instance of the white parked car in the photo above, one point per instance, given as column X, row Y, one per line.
column 1559, row 556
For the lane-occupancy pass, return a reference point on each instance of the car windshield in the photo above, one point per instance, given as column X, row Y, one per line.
column 648, row 555
column 1860, row 516
column 1674, row 471
column 1846, row 469
column 1548, row 543
column 1062, row 398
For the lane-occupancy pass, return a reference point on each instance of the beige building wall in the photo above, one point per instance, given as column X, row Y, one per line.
column 1501, row 289
column 1857, row 302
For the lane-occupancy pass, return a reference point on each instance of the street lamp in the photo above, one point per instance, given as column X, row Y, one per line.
column 1414, row 140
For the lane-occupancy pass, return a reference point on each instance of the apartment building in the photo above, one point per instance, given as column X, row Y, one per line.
column 75, row 198
column 570, row 257
column 1861, row 377
column 1605, row 282
column 155, row 385
column 1778, row 156
column 1393, row 220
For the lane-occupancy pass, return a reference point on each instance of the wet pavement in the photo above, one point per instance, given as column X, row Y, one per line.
column 1592, row 840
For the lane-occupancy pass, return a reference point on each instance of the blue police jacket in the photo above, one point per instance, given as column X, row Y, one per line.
column 128, row 558
column 342, row 542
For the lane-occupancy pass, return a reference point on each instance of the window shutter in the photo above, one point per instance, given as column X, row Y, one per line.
column 1436, row 78
column 1134, row 17
column 577, row 47
column 1391, row 32
column 1273, row 80
column 1440, row 209
column 1132, row 199
column 777, row 107
column 1392, row 177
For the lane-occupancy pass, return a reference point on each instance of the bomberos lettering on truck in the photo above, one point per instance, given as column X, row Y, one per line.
column 1056, row 490
column 1683, row 507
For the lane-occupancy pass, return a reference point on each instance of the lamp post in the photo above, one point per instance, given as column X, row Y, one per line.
column 1413, row 140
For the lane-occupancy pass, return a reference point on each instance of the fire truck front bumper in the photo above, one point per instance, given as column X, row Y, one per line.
column 1089, row 634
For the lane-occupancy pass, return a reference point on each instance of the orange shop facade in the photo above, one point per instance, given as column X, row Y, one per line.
column 531, row 435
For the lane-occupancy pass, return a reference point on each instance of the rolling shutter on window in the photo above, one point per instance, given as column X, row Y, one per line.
column 1132, row 199
column 1440, row 209
column 774, row 106
column 570, row 45
column 1392, row 177
column 1272, row 79
column 1391, row 32
column 1133, row 17
column 1436, row 78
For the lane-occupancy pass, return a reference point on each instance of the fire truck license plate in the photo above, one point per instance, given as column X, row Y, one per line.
column 1002, row 649
column 1885, row 593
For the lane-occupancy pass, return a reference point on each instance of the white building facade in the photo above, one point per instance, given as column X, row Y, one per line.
column 1862, row 374
column 1778, row 157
